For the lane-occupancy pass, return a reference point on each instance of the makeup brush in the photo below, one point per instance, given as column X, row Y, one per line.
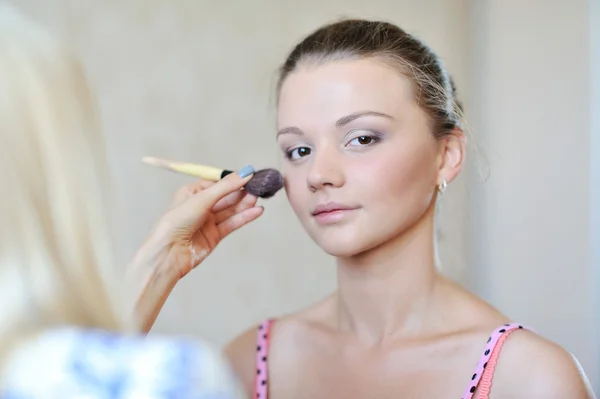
column 265, row 183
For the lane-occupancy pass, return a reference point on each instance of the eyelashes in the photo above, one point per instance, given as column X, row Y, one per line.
column 359, row 141
column 297, row 153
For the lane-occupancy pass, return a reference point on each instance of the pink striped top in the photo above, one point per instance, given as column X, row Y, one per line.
column 481, row 378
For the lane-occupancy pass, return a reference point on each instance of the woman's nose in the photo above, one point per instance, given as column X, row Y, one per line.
column 326, row 170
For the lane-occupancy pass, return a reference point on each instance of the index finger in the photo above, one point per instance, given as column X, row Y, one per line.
column 230, row 200
column 229, row 184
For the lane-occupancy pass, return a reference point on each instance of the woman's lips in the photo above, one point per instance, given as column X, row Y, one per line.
column 332, row 212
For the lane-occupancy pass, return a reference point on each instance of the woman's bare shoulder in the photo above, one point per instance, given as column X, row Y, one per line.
column 531, row 366
column 241, row 351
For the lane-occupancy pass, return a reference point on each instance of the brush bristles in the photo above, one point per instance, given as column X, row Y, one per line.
column 265, row 183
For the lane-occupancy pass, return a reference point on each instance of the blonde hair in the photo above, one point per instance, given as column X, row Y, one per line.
column 55, row 255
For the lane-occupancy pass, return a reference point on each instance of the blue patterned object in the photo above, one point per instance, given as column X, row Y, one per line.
column 90, row 364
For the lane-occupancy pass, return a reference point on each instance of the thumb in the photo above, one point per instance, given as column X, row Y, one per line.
column 229, row 184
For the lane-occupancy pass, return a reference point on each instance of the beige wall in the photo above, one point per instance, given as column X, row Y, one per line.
column 193, row 80
column 594, row 19
column 531, row 248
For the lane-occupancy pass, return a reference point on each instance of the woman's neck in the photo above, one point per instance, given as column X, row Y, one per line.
column 388, row 292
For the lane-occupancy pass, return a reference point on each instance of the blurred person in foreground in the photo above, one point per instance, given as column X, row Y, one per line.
column 65, row 329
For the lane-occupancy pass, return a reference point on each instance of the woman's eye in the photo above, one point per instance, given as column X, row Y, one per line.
column 298, row 153
column 362, row 140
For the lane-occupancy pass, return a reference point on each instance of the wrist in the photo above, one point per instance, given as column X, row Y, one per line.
column 152, row 258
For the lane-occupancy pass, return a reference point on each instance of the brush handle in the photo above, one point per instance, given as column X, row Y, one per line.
column 202, row 171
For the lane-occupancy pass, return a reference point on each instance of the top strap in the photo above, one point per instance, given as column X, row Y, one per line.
column 263, row 336
column 483, row 374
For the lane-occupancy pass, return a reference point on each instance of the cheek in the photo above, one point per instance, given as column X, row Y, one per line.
column 399, row 176
column 295, row 188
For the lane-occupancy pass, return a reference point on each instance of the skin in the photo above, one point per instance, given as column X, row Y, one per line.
column 394, row 327
column 200, row 216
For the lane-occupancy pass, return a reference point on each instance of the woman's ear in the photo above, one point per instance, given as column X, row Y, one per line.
column 451, row 155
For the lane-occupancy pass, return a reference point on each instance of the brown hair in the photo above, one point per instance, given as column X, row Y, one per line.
column 359, row 39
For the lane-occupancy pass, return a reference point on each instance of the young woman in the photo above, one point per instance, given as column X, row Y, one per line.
column 64, row 330
column 370, row 128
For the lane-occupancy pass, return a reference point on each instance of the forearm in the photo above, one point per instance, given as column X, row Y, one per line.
column 152, row 298
column 152, row 261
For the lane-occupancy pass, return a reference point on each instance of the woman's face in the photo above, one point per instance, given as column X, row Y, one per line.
column 361, row 164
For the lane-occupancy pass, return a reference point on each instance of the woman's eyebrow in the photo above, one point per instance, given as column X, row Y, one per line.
column 290, row 130
column 344, row 120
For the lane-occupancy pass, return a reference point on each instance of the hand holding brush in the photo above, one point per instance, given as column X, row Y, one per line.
column 264, row 183
column 201, row 215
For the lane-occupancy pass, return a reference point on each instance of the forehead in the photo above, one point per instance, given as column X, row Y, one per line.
column 338, row 88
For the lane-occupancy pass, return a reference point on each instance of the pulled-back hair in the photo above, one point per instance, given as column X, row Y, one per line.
column 435, row 91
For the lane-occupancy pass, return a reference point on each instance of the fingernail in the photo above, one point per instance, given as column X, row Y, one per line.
column 246, row 171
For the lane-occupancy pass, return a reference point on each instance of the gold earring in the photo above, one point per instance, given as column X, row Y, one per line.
column 442, row 186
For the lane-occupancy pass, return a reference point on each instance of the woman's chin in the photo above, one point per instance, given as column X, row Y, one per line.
column 341, row 247
column 340, row 252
